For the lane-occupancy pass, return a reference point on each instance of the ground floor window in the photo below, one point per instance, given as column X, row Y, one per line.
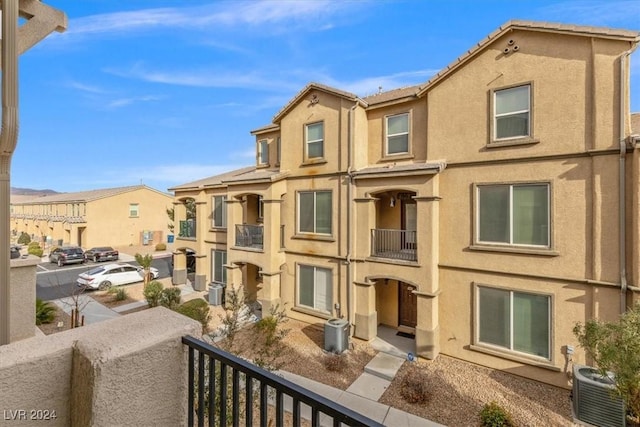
column 314, row 288
column 218, row 270
column 515, row 321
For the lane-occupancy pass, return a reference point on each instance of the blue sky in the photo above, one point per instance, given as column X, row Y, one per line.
column 163, row 92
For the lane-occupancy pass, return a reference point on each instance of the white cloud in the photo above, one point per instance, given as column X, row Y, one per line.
column 83, row 87
column 121, row 102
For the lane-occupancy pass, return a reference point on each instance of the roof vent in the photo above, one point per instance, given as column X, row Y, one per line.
column 593, row 400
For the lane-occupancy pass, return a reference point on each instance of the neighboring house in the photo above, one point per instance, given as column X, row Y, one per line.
column 121, row 216
column 484, row 212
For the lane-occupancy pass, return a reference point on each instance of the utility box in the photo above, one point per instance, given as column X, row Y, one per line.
column 216, row 294
column 336, row 335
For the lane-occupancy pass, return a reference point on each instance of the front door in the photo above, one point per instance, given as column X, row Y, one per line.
column 408, row 307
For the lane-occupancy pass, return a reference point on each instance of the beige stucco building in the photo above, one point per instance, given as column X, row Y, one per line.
column 120, row 216
column 485, row 211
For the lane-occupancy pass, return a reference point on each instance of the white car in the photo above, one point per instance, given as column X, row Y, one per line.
column 105, row 276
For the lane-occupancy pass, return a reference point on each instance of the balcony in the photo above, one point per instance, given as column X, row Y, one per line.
column 226, row 390
column 394, row 244
column 249, row 236
column 187, row 229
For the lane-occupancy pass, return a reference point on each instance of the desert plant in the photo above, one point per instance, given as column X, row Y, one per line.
column 24, row 238
column 615, row 347
column 45, row 312
column 494, row 415
column 145, row 262
column 414, row 385
column 334, row 362
column 269, row 337
column 232, row 319
column 152, row 293
column 197, row 309
column 161, row 247
column 170, row 298
column 35, row 249
column 119, row 293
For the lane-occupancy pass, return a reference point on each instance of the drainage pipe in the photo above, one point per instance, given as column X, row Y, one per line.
column 622, row 250
column 350, row 130
column 8, row 141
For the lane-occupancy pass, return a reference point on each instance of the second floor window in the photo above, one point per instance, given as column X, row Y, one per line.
column 314, row 212
column 512, row 111
column 315, row 140
column 263, row 152
column 134, row 212
column 513, row 214
column 219, row 212
column 397, row 134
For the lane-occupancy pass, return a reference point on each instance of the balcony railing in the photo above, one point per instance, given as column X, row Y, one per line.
column 249, row 236
column 226, row 390
column 187, row 229
column 394, row 244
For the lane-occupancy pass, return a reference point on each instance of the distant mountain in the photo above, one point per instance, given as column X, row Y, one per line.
column 31, row 192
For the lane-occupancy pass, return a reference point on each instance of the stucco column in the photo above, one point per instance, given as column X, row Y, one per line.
column 365, row 214
column 234, row 278
column 235, row 216
column 202, row 267
column 269, row 296
column 427, row 329
column 23, row 296
column 366, row 317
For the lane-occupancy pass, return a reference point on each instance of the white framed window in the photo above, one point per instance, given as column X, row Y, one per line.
column 260, row 207
column 219, row 214
column 263, row 152
column 314, row 212
column 513, row 214
column 218, row 270
column 315, row 286
column 512, row 113
column 314, row 140
column 134, row 211
column 397, row 127
column 514, row 321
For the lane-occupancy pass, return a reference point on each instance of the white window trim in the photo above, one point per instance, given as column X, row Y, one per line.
column 224, row 212
column 388, row 135
column 511, row 113
column 308, row 141
column 315, row 225
column 330, row 288
column 263, row 150
column 136, row 210
column 510, row 350
column 511, row 244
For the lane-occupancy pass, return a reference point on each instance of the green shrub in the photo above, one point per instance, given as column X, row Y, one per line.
column 197, row 309
column 161, row 247
column 119, row 293
column 45, row 312
column 170, row 298
column 35, row 249
column 415, row 385
column 152, row 293
column 24, row 238
column 494, row 415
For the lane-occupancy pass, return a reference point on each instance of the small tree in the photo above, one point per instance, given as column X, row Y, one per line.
column 24, row 238
column 615, row 347
column 145, row 262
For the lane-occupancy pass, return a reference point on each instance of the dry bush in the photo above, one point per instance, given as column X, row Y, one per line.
column 334, row 362
column 414, row 385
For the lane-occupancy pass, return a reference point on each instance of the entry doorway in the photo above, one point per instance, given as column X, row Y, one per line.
column 407, row 308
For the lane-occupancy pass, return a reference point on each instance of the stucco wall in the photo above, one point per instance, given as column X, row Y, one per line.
column 109, row 373
column 23, row 297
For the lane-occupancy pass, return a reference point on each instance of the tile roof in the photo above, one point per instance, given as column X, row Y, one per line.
column 80, row 196
column 213, row 181
column 264, row 129
column 401, row 169
column 392, row 95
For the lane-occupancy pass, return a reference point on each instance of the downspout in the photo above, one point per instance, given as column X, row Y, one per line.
column 351, row 124
column 8, row 141
column 622, row 185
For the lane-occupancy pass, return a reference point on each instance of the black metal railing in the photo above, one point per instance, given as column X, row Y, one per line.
column 394, row 244
column 249, row 236
column 187, row 229
column 226, row 390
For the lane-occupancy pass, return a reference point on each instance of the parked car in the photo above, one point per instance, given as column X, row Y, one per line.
column 67, row 255
column 15, row 251
column 105, row 276
column 102, row 253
